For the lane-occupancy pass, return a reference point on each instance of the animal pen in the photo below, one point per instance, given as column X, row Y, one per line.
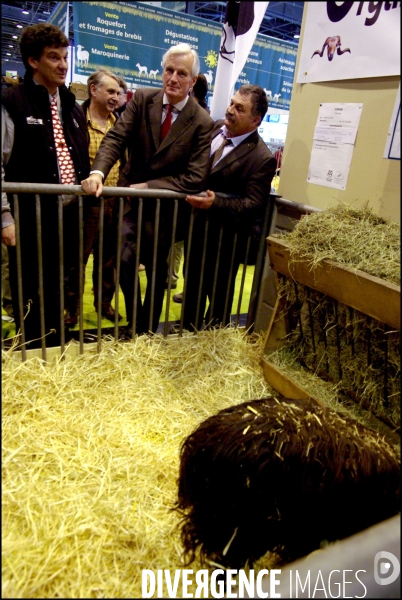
column 92, row 432
column 20, row 193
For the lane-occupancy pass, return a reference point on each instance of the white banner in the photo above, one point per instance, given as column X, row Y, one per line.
column 350, row 40
column 240, row 28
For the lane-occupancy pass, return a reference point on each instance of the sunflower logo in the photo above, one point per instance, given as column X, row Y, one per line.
column 211, row 59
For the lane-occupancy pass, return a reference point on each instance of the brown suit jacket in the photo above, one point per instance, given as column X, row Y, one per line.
column 246, row 172
column 179, row 163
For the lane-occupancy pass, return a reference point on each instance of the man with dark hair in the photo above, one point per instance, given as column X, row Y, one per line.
column 242, row 166
column 168, row 136
column 103, row 90
column 121, row 97
column 200, row 91
column 44, row 140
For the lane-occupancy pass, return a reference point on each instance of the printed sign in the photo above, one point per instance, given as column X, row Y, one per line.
column 333, row 144
column 130, row 38
column 350, row 40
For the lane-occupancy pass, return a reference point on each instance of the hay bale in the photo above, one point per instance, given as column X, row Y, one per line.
column 91, row 457
column 355, row 238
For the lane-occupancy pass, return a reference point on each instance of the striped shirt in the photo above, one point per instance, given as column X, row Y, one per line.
column 96, row 135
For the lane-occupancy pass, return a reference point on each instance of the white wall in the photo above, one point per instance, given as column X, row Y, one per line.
column 372, row 178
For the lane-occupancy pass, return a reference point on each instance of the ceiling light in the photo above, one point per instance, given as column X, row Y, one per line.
column 8, row 53
column 19, row 26
column 296, row 36
column 10, row 46
column 46, row 12
column 15, row 37
column 25, row 12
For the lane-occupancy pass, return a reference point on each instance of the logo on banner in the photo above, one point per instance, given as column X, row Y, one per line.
column 211, row 59
column 82, row 56
column 209, row 76
column 332, row 44
column 338, row 12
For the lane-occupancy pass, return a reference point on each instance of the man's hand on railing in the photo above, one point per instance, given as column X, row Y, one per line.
column 201, row 201
column 93, row 185
column 8, row 235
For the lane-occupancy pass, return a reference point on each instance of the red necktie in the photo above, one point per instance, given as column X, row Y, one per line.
column 66, row 166
column 167, row 123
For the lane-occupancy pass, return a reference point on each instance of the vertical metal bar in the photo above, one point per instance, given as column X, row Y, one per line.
column 137, row 289
column 118, row 262
column 187, row 262
column 338, row 338
column 200, row 283
column 61, row 270
column 174, row 227
column 310, row 314
column 227, row 307
column 324, row 322
column 326, row 349
column 368, row 344
column 81, row 270
column 40, row 273
column 19, row 275
column 298, row 308
column 243, row 277
column 212, row 300
column 154, row 261
column 351, row 312
column 100, row 271
column 385, row 367
column 268, row 222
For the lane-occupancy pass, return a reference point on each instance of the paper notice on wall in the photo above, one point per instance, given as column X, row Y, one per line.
column 336, row 133
column 330, row 164
column 345, row 114
column 334, row 138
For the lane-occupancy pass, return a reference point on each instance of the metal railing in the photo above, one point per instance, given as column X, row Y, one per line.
column 20, row 192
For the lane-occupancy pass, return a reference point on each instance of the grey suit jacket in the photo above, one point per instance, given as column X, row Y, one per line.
column 179, row 163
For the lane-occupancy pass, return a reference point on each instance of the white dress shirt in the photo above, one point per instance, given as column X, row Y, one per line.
column 222, row 135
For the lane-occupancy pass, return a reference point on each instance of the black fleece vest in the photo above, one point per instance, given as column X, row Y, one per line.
column 33, row 158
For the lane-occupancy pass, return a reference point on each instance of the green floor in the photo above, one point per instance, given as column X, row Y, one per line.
column 91, row 316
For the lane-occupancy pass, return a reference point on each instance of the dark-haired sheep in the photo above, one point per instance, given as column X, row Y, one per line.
column 282, row 476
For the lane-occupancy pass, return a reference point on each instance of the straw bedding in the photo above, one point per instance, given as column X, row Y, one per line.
column 91, row 457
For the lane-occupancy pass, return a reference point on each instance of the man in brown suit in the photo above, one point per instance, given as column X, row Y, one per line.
column 178, row 162
column 242, row 166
